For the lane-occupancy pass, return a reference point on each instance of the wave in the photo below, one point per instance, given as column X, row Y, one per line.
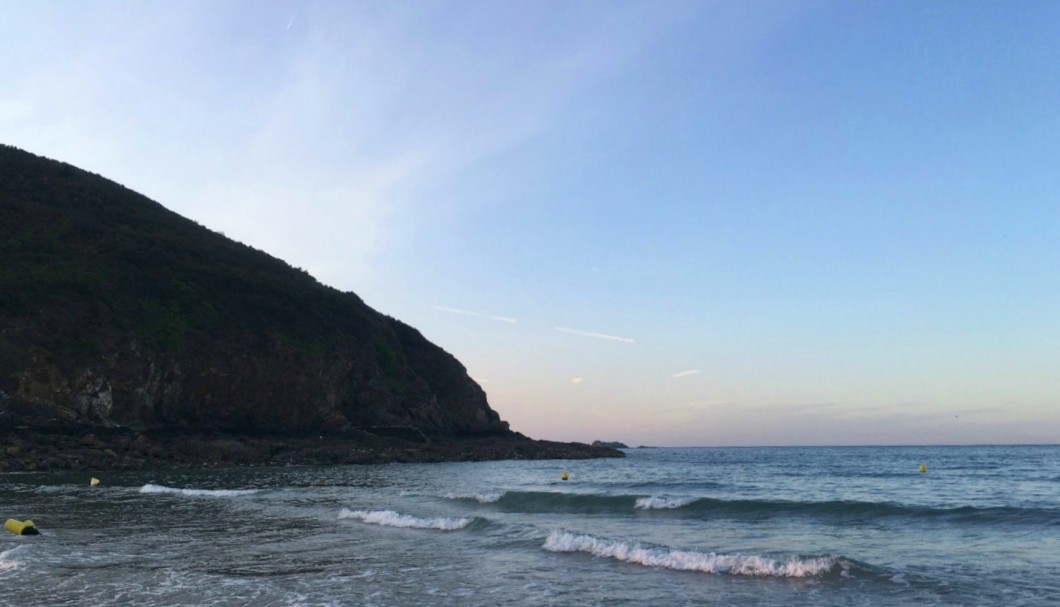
column 691, row 485
column 686, row 560
column 389, row 518
column 552, row 501
column 7, row 563
column 689, row 506
column 857, row 509
column 482, row 498
column 662, row 503
column 558, row 501
column 149, row 488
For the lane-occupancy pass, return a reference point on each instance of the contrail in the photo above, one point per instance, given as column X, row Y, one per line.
column 475, row 314
column 596, row 335
column 687, row 373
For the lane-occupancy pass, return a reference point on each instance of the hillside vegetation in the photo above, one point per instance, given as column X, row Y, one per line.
column 118, row 313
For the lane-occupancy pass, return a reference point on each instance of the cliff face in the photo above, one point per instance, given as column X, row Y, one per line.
column 115, row 312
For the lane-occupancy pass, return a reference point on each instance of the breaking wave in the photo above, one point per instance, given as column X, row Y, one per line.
column 688, row 506
column 389, row 518
column 872, row 510
column 149, row 488
column 558, row 501
column 482, row 498
column 7, row 563
column 686, row 560
column 662, row 503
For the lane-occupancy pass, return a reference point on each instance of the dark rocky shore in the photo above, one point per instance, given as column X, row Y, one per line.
column 35, row 451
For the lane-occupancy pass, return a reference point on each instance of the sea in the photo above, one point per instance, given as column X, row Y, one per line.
column 815, row 526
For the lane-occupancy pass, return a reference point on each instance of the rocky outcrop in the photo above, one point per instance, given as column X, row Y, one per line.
column 239, row 384
column 118, row 315
column 610, row 444
column 30, row 451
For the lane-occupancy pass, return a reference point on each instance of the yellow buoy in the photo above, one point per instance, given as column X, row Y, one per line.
column 25, row 527
column 93, row 482
column 923, row 468
column 563, row 476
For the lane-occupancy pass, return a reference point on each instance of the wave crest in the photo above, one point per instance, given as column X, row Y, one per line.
column 662, row 503
column 685, row 560
column 6, row 562
column 482, row 498
column 150, row 488
column 389, row 518
column 690, row 506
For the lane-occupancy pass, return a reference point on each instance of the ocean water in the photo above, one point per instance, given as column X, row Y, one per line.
column 752, row 526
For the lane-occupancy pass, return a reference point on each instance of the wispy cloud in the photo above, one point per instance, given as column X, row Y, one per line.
column 473, row 313
column 595, row 335
column 687, row 373
column 310, row 115
column 577, row 380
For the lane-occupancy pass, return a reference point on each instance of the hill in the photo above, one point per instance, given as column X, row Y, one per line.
column 119, row 317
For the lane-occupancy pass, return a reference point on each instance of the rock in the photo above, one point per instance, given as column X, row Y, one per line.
column 130, row 463
column 610, row 445
column 54, row 463
column 406, row 433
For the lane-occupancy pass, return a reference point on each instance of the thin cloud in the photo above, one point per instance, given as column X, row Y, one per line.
column 687, row 373
column 577, row 380
column 475, row 314
column 595, row 335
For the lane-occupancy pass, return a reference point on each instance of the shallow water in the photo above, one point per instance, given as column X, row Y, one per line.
column 755, row 526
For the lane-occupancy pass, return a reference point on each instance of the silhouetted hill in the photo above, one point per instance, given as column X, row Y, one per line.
column 118, row 313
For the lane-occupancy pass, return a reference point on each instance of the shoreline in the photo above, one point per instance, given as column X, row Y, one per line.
column 115, row 451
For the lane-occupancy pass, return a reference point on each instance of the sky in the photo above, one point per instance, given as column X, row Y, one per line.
column 662, row 223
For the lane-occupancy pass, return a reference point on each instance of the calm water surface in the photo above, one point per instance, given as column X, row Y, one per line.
column 755, row 526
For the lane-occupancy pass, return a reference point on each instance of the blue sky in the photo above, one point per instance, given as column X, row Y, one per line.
column 703, row 223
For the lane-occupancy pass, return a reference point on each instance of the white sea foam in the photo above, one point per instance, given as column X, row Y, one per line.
column 390, row 518
column 482, row 498
column 655, row 502
column 7, row 562
column 682, row 560
column 149, row 488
